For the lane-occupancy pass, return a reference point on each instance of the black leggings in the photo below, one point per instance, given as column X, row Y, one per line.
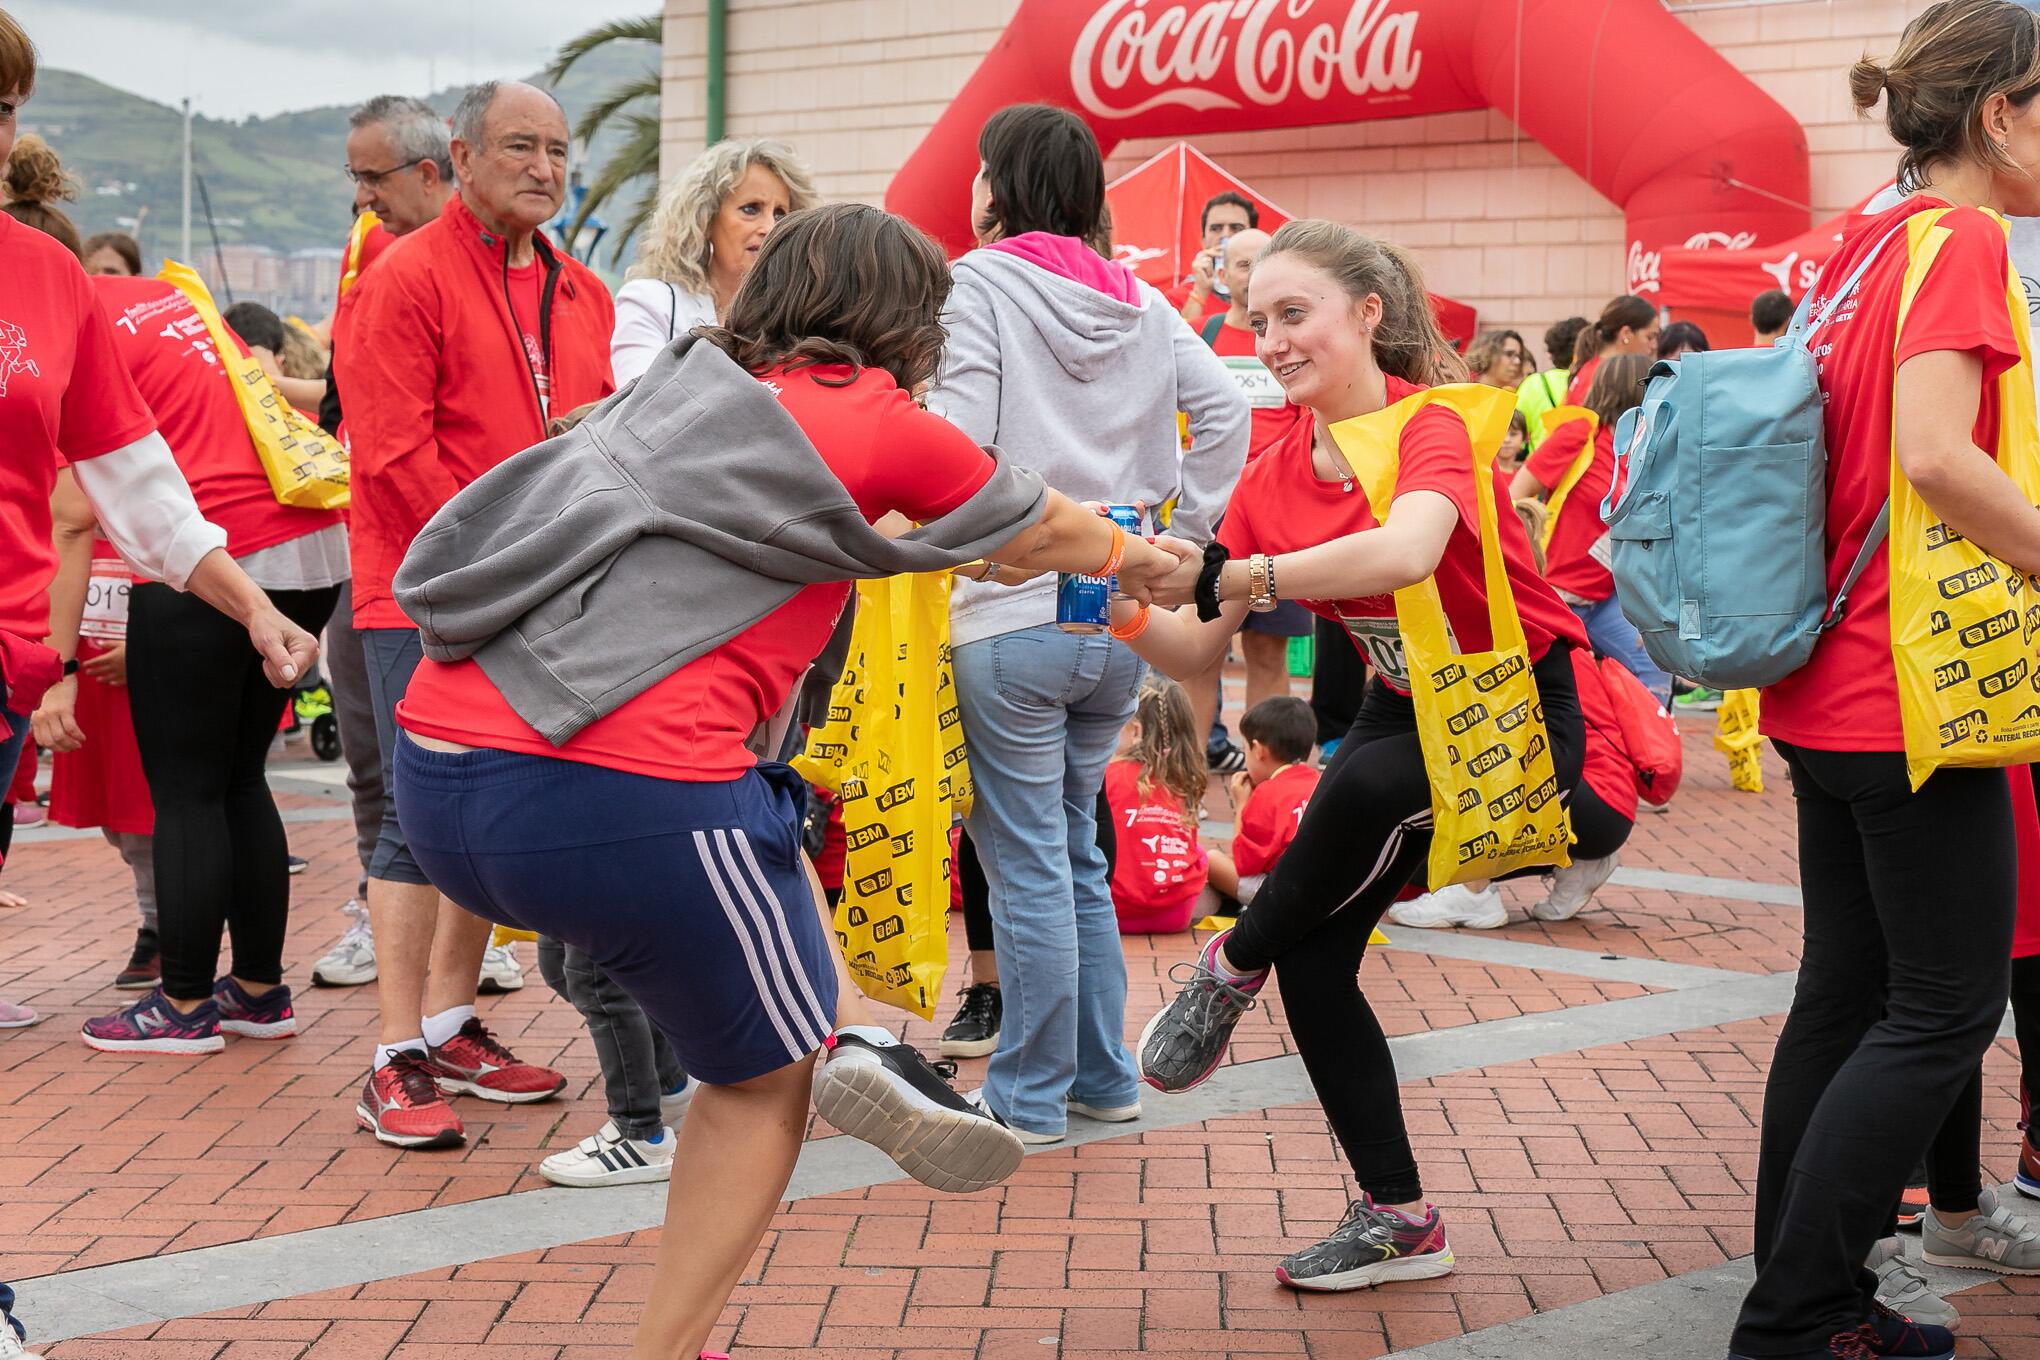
column 204, row 716
column 977, row 893
column 1599, row 830
column 1365, row 833
column 1901, row 988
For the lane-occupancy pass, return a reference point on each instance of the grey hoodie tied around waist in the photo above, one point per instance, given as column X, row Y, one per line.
column 684, row 509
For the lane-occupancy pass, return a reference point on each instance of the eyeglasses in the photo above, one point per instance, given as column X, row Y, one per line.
column 372, row 178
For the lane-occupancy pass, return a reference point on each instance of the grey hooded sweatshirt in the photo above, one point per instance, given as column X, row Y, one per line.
column 1083, row 388
column 682, row 511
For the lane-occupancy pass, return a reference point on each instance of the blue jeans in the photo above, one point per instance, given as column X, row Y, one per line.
column 1613, row 635
column 1042, row 710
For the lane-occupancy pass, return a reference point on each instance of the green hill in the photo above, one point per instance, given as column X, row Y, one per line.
column 273, row 181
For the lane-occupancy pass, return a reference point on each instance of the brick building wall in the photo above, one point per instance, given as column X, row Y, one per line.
column 1496, row 220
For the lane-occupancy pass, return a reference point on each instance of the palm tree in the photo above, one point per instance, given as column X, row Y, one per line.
column 636, row 157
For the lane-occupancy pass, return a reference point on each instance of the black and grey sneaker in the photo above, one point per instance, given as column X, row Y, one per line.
column 889, row 1096
column 1373, row 1246
column 1225, row 757
column 975, row 1030
column 1186, row 1040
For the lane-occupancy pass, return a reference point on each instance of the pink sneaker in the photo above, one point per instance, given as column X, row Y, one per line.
column 29, row 814
column 14, row 1016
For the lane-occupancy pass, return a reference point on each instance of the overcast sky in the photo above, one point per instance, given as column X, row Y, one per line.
column 236, row 57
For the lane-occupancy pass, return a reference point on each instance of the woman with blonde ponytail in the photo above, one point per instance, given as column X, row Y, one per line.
column 1344, row 324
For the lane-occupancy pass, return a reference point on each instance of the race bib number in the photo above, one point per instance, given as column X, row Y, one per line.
column 106, row 601
column 1381, row 643
column 1603, row 552
column 1254, row 381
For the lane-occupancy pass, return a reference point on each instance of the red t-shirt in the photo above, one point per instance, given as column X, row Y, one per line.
column 1269, row 411
column 1269, row 818
column 691, row 726
column 526, row 285
column 1281, row 505
column 1845, row 698
column 1160, row 866
column 63, row 391
column 164, row 342
column 1568, row 557
column 1214, row 305
column 1581, row 382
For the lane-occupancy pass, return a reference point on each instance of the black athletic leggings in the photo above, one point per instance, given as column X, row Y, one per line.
column 1365, row 833
column 1902, row 986
column 204, row 716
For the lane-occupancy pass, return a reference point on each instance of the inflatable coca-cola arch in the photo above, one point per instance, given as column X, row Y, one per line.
column 1619, row 90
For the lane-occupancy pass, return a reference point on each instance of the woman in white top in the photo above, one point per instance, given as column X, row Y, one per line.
column 702, row 239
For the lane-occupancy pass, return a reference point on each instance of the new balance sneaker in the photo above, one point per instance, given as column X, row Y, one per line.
column 352, row 961
column 1912, row 1206
column 473, row 1063
column 1186, row 1040
column 1572, row 888
column 1902, row 1289
column 267, row 1016
column 144, row 966
column 888, row 1096
column 153, row 1025
column 974, row 1031
column 1993, row 1238
column 1105, row 1114
column 14, row 1015
column 1456, row 905
column 501, row 972
column 1373, row 1246
column 606, row 1157
column 401, row 1105
column 2027, row 1181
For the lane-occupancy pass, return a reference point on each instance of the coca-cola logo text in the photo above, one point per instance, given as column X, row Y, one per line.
column 1163, row 53
column 1643, row 269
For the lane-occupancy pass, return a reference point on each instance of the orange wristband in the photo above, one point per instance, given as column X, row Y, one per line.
column 1135, row 626
column 1118, row 553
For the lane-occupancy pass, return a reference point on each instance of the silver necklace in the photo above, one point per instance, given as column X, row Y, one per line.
column 1332, row 457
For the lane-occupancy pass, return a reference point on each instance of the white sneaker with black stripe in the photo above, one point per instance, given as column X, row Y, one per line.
column 606, row 1157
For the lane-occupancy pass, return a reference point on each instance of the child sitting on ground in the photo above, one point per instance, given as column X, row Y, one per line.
column 1267, row 797
column 1155, row 787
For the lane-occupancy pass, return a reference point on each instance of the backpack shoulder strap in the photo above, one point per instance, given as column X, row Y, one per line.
column 1211, row 329
column 1871, row 541
column 1803, row 319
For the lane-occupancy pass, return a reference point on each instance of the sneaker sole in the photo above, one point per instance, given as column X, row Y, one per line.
column 636, row 1175
column 942, row 1149
column 24, row 1024
column 271, row 1029
column 1140, row 1059
column 1540, row 912
column 1494, row 922
column 338, row 979
column 969, row 1048
column 489, row 986
column 460, row 1087
column 136, row 985
column 176, row 1048
column 1428, row 1267
column 445, row 1138
column 2026, row 1185
column 1934, row 1258
column 1106, row 1114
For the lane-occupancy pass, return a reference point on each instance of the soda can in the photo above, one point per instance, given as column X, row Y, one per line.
column 1083, row 603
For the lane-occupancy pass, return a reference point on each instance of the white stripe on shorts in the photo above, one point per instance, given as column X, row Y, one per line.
column 824, row 1021
column 776, row 960
column 794, row 1051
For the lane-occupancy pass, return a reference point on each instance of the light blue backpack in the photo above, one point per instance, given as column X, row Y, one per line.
column 1719, row 543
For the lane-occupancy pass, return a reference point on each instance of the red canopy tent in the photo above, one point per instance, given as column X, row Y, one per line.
column 1156, row 229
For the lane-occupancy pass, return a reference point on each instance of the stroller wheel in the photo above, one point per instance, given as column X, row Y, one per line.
column 326, row 737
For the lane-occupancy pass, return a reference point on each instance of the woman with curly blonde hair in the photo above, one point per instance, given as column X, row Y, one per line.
column 706, row 231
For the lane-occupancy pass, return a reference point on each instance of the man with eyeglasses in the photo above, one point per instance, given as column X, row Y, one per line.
column 467, row 338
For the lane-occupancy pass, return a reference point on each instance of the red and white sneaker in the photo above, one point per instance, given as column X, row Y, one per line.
column 473, row 1063
column 401, row 1105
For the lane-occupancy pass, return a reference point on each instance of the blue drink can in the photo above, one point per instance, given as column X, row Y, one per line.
column 1083, row 603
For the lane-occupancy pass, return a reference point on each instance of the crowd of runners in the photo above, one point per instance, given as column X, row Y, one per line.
column 592, row 580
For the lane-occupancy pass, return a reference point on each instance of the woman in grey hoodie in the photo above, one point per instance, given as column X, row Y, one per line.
column 1074, row 368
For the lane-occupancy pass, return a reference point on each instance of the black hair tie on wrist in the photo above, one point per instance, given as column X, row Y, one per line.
column 1215, row 558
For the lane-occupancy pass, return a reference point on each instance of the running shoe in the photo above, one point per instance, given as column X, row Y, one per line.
column 144, row 966
column 153, row 1025
column 1887, row 1334
column 1993, row 1238
column 887, row 1095
column 296, row 864
column 606, row 1157
column 1456, row 905
column 1902, row 1289
column 1699, row 699
column 267, row 1016
column 1912, row 1206
column 29, row 814
column 13, row 1015
column 1186, row 1040
column 1105, row 1114
column 473, row 1063
column 501, row 972
column 1226, row 757
column 1373, row 1246
column 402, row 1106
column 352, row 961
column 974, row 1031
column 2027, row 1181
column 1572, row 888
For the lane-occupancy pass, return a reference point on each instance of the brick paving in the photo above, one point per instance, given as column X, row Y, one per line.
column 1563, row 1178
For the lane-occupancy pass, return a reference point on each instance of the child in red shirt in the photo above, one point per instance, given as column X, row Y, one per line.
column 1268, row 796
column 1154, row 787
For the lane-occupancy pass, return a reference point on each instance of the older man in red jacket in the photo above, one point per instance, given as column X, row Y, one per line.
column 468, row 336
